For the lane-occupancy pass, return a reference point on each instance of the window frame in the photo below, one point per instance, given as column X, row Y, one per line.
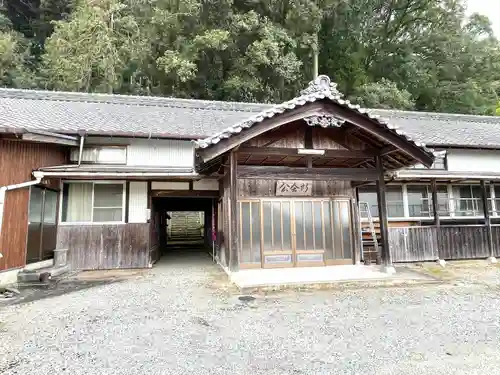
column 97, row 149
column 97, row 182
column 402, row 202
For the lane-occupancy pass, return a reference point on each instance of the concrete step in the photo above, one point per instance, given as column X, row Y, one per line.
column 40, row 275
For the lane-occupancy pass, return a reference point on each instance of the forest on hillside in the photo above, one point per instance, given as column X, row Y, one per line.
column 424, row 55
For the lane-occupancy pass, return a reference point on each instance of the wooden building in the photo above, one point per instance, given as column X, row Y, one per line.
column 28, row 215
column 272, row 185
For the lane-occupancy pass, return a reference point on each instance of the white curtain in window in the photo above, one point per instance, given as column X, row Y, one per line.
column 79, row 202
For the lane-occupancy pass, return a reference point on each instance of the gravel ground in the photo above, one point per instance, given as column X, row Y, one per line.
column 182, row 318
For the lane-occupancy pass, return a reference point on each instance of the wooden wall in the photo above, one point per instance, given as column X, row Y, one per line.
column 413, row 244
column 106, row 246
column 17, row 161
column 248, row 188
column 293, row 136
column 453, row 242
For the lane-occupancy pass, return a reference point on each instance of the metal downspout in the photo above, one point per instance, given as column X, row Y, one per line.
column 80, row 154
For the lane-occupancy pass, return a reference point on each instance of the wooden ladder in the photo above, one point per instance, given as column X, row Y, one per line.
column 369, row 238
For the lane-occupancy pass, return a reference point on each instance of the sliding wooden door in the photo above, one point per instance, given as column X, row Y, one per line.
column 312, row 232
column 294, row 232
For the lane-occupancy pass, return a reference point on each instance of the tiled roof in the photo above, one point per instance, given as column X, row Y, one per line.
column 320, row 88
column 71, row 113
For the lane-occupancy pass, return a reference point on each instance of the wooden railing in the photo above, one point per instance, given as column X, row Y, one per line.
column 427, row 243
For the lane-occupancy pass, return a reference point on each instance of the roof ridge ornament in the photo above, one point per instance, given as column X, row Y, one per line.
column 321, row 84
column 324, row 120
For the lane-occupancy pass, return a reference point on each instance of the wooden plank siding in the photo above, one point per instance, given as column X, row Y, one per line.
column 17, row 161
column 413, row 244
column 463, row 242
column 417, row 243
column 248, row 188
column 107, row 246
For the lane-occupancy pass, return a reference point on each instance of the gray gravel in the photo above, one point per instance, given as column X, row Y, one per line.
column 182, row 318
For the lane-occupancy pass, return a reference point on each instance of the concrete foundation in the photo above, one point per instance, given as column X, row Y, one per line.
column 298, row 276
column 9, row 277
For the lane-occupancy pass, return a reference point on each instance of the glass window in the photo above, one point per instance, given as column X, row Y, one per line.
column 443, row 200
column 394, row 199
column 419, row 201
column 467, row 200
column 92, row 202
column 108, row 201
column 50, row 208
column 368, row 195
column 496, row 201
column 36, row 201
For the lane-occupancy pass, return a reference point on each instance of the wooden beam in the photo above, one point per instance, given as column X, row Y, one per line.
column 356, row 227
column 371, row 127
column 387, row 150
column 308, row 137
column 233, row 213
column 435, row 209
column 382, row 209
column 266, row 125
column 309, row 159
column 487, row 218
column 277, row 151
column 301, row 173
column 185, row 193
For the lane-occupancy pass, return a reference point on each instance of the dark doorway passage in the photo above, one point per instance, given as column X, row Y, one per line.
column 182, row 225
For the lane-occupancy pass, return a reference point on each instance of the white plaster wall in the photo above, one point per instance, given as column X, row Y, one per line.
column 473, row 160
column 152, row 152
column 138, row 202
column 169, row 185
column 207, row 184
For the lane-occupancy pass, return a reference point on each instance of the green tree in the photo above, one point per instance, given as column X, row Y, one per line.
column 383, row 94
column 421, row 54
column 90, row 51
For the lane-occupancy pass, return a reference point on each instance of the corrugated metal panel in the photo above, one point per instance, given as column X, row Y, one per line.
column 150, row 152
column 138, row 202
column 17, row 161
column 165, row 152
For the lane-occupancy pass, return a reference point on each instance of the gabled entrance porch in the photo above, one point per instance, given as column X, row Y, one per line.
column 288, row 177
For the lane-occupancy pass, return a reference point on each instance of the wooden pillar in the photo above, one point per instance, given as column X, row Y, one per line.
column 233, row 213
column 382, row 215
column 356, row 227
column 487, row 219
column 435, row 210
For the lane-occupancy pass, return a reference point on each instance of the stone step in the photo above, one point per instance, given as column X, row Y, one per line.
column 41, row 275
